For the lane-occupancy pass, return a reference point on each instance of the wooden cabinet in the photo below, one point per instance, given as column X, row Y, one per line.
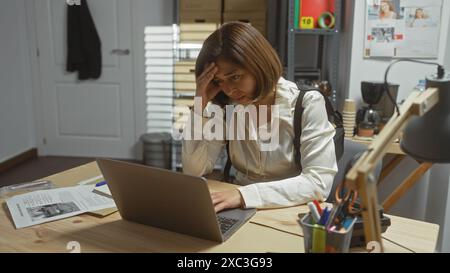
column 200, row 11
column 184, row 81
column 196, row 32
column 200, row 17
column 200, row 5
column 249, row 11
column 197, row 20
column 184, row 77
column 244, row 5
column 184, row 68
column 222, row 11
column 255, row 18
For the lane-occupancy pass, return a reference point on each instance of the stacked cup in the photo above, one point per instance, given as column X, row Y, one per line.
column 349, row 116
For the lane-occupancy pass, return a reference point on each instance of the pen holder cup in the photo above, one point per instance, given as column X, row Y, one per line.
column 318, row 240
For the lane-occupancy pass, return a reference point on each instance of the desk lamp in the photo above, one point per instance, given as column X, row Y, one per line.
column 427, row 138
column 426, row 116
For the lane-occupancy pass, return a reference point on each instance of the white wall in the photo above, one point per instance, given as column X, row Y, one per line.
column 17, row 131
column 447, row 52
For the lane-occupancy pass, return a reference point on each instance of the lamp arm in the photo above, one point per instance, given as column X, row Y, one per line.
column 359, row 176
column 418, row 103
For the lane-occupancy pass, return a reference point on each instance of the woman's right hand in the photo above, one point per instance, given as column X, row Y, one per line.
column 206, row 90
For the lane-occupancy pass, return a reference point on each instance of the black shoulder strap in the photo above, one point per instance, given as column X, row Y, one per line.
column 226, row 170
column 333, row 116
column 298, row 113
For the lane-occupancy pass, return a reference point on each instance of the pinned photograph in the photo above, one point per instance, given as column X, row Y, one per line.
column 383, row 35
column 383, row 9
column 389, row 9
column 421, row 17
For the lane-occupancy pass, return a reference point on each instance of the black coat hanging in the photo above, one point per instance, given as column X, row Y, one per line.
column 83, row 43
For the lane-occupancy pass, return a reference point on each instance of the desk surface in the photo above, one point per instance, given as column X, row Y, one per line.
column 268, row 231
column 394, row 148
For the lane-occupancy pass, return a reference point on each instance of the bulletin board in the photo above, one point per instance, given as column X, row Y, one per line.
column 402, row 28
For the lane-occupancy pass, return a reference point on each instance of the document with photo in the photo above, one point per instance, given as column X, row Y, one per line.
column 402, row 28
column 49, row 205
column 422, row 29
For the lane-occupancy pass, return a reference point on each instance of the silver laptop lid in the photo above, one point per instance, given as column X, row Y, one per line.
column 162, row 198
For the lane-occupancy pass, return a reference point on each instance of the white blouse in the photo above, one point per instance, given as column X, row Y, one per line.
column 271, row 178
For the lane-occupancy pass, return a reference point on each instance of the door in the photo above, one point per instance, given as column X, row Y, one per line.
column 92, row 118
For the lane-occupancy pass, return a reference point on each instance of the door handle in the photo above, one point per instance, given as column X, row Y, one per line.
column 120, row 52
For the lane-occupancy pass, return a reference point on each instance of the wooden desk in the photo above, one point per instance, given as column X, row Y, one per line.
column 268, row 231
column 394, row 148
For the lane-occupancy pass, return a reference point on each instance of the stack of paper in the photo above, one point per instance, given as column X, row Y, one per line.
column 103, row 190
column 49, row 205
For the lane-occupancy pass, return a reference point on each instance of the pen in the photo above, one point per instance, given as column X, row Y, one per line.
column 347, row 223
column 314, row 213
column 319, row 209
column 333, row 214
column 324, row 218
column 100, row 183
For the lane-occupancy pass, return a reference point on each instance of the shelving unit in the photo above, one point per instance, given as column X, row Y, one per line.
column 187, row 46
column 196, row 19
column 329, row 37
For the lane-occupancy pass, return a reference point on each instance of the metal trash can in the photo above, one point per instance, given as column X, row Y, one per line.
column 157, row 149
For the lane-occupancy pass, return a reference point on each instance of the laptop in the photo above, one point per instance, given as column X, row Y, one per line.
column 169, row 200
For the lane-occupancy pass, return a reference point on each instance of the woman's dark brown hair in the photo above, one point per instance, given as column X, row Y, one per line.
column 242, row 45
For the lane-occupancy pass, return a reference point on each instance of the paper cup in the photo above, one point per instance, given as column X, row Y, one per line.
column 349, row 114
column 350, row 106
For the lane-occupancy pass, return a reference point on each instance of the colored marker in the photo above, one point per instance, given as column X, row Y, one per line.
column 317, row 204
column 314, row 213
column 324, row 218
column 318, row 239
column 100, row 183
column 347, row 223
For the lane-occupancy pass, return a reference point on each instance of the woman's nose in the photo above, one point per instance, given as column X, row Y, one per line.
column 229, row 90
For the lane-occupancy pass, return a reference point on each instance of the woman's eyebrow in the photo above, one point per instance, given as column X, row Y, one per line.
column 231, row 72
column 228, row 74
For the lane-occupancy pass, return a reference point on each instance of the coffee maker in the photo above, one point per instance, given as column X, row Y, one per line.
column 379, row 108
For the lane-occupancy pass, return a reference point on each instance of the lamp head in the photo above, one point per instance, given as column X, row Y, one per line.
column 427, row 138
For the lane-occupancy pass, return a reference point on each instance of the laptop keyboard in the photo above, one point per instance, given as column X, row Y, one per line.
column 226, row 223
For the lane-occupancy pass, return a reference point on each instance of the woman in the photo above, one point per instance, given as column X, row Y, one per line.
column 238, row 66
column 387, row 10
column 421, row 19
column 419, row 14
